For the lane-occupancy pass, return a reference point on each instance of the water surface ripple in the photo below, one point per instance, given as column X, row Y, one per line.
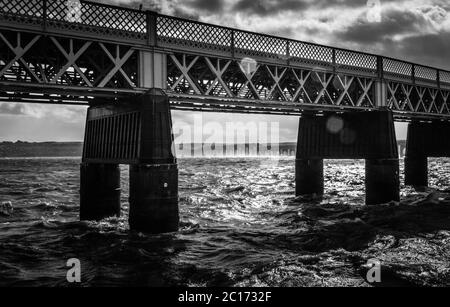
column 240, row 226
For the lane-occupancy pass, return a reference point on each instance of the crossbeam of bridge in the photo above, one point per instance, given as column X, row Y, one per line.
column 70, row 52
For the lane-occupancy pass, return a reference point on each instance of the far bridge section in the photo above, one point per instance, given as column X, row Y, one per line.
column 71, row 52
column 132, row 67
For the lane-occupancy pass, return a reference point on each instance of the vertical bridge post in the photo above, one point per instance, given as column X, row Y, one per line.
column 352, row 135
column 152, row 69
column 425, row 139
column 99, row 191
column 154, row 178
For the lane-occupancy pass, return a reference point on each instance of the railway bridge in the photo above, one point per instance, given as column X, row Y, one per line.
column 131, row 67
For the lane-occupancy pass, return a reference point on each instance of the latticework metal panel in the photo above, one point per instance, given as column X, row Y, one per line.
column 425, row 75
column 258, row 45
column 310, row 54
column 356, row 60
column 444, row 77
column 397, row 69
column 26, row 8
column 183, row 34
column 101, row 20
column 425, row 72
column 22, row 12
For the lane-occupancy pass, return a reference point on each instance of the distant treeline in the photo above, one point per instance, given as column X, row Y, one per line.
column 74, row 149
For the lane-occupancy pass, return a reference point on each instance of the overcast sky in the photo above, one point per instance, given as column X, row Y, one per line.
column 415, row 30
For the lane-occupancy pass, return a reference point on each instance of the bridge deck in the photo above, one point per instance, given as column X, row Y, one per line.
column 55, row 52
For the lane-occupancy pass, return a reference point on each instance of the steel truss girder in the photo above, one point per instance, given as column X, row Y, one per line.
column 75, row 68
column 19, row 51
column 413, row 98
column 266, row 82
column 54, row 60
column 71, row 60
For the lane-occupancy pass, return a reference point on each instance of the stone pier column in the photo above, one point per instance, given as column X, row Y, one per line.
column 135, row 130
column 382, row 181
column 425, row 139
column 309, row 177
column 99, row 191
column 416, row 171
column 154, row 178
column 154, row 198
column 349, row 135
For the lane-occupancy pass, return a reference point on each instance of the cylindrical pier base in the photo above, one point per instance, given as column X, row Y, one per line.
column 382, row 181
column 154, row 198
column 416, row 171
column 99, row 191
column 308, row 177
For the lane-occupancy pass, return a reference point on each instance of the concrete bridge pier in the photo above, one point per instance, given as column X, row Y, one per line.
column 154, row 179
column 382, row 181
column 136, row 131
column 154, row 198
column 416, row 171
column 425, row 139
column 309, row 176
column 99, row 191
column 351, row 135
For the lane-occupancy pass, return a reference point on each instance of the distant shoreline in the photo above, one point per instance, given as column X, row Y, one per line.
column 21, row 149
column 41, row 158
column 40, row 149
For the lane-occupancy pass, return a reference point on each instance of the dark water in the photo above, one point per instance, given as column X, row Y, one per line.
column 241, row 226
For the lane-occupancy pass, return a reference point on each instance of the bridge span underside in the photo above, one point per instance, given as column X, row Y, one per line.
column 131, row 67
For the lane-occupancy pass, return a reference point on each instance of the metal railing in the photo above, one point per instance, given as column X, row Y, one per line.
column 150, row 28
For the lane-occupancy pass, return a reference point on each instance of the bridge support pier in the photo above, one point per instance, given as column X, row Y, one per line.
column 352, row 135
column 309, row 176
column 99, row 191
column 425, row 140
column 382, row 181
column 137, row 132
column 154, row 198
column 416, row 171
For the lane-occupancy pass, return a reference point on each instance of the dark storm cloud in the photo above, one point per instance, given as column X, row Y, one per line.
column 420, row 43
column 213, row 6
column 283, row 31
column 445, row 4
column 181, row 9
column 268, row 7
column 200, row 7
column 133, row 4
column 12, row 109
column 393, row 22
column 182, row 13
column 272, row 7
column 428, row 49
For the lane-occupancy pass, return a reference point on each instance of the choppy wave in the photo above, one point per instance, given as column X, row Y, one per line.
column 240, row 226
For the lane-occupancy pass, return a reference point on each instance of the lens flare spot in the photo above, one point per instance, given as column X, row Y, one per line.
column 248, row 66
column 335, row 124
